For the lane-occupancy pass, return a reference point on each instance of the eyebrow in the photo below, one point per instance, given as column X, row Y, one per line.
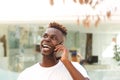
column 53, row 35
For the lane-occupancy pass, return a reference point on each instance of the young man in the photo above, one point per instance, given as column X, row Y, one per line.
column 52, row 68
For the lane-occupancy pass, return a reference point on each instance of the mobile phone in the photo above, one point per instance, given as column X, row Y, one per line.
column 58, row 54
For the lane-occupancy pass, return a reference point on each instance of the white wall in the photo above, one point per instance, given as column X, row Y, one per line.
column 103, row 45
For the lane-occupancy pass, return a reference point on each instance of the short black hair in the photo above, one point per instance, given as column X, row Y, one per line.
column 59, row 27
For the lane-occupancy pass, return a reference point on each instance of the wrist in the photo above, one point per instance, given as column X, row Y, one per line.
column 64, row 59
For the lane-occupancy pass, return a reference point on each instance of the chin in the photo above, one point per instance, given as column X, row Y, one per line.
column 45, row 53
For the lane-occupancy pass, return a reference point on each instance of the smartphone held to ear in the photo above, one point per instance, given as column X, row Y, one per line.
column 58, row 54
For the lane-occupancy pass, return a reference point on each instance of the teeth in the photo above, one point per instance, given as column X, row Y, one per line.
column 47, row 46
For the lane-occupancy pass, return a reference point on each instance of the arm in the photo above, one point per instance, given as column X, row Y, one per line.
column 76, row 75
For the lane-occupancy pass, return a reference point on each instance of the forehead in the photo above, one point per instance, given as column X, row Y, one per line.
column 53, row 31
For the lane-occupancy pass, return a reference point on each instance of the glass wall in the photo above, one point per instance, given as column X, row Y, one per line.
column 22, row 41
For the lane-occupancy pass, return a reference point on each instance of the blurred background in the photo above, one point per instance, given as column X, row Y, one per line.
column 93, row 34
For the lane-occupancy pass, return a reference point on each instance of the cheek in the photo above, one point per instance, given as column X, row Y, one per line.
column 55, row 43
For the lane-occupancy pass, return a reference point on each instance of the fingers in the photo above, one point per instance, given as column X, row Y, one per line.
column 59, row 48
column 63, row 50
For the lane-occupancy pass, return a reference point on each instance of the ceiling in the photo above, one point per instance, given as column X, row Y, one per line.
column 40, row 11
column 35, row 10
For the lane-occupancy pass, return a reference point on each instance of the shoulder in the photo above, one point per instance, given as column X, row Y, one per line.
column 28, row 72
column 32, row 68
column 81, row 69
column 77, row 65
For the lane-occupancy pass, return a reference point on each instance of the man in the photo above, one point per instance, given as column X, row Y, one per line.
column 52, row 68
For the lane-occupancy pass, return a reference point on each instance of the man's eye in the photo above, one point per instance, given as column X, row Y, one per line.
column 53, row 38
column 45, row 36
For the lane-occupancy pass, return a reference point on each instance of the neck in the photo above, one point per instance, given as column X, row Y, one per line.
column 48, row 61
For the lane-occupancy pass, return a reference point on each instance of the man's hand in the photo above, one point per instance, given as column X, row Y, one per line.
column 63, row 50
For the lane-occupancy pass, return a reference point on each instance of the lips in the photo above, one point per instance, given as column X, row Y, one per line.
column 46, row 46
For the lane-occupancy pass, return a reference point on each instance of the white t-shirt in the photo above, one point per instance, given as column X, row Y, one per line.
column 57, row 72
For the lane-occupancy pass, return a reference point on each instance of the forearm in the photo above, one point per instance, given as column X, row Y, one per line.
column 76, row 75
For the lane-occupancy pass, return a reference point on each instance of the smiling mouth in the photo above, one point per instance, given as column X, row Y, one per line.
column 46, row 46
